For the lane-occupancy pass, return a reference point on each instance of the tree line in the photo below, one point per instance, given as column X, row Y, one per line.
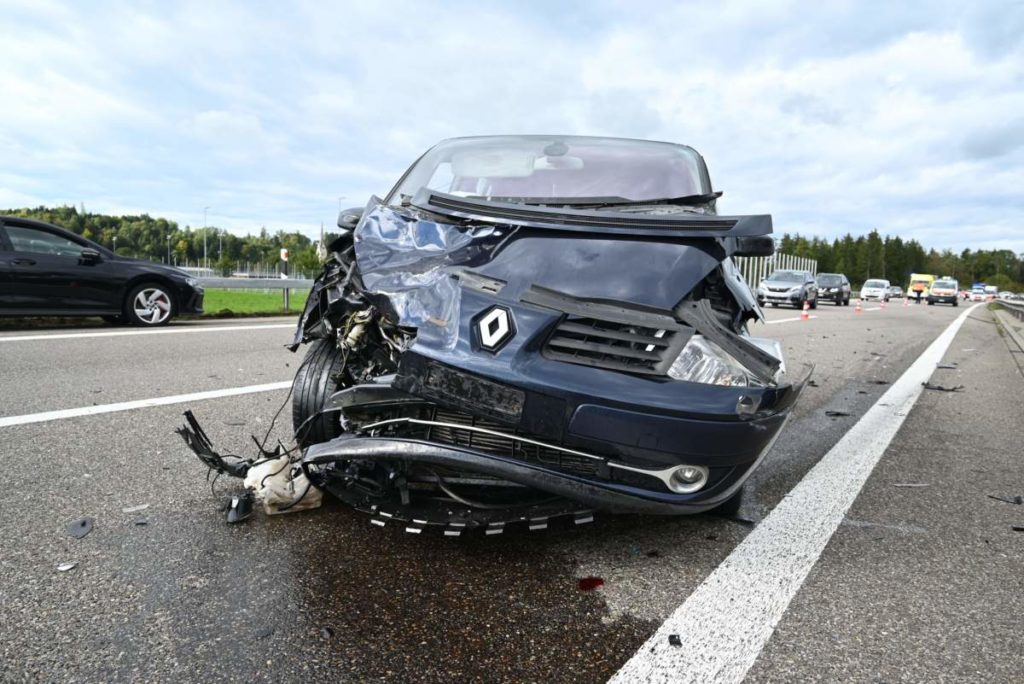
column 892, row 258
column 158, row 239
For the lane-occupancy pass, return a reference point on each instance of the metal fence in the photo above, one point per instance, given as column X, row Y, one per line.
column 756, row 269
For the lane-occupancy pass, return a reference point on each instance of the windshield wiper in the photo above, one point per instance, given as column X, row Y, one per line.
column 686, row 200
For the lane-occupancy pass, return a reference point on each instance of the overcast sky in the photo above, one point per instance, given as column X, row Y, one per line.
column 832, row 116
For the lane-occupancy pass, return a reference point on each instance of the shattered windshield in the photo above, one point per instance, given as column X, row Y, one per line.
column 560, row 169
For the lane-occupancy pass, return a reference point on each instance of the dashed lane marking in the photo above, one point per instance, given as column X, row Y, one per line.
column 720, row 630
column 160, row 331
column 9, row 421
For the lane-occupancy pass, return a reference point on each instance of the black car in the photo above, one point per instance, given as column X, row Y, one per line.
column 533, row 327
column 788, row 287
column 49, row 271
column 834, row 287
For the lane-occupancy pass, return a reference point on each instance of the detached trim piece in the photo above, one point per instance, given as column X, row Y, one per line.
column 592, row 220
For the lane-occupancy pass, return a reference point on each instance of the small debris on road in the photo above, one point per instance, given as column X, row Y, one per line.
column 911, row 484
column 264, row 632
column 135, row 509
column 140, row 522
column 1017, row 528
column 812, row 383
column 948, row 366
column 653, row 553
column 1010, row 500
column 674, row 640
column 64, row 567
column 81, row 527
column 941, row 388
column 836, row 414
column 326, row 632
column 590, row 583
column 240, row 507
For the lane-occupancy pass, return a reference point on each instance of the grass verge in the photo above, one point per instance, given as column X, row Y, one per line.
column 226, row 303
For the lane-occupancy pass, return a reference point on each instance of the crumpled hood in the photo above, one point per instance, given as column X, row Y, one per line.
column 416, row 263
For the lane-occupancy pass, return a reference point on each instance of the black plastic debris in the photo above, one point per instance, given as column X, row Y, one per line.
column 1017, row 528
column 240, row 507
column 1008, row 499
column 140, row 522
column 941, row 388
column 674, row 640
column 653, row 553
column 911, row 484
column 947, row 366
column 836, row 414
column 81, row 527
column 879, row 382
column 812, row 383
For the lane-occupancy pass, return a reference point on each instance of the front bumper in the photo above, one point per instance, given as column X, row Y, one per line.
column 190, row 299
column 779, row 298
column 942, row 299
column 616, row 458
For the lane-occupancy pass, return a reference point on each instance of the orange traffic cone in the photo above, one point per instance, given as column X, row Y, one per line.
column 804, row 315
column 857, row 308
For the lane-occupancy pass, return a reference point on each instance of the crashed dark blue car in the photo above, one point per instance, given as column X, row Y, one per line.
column 530, row 327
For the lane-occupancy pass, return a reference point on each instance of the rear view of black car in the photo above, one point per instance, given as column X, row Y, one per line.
column 529, row 327
column 834, row 287
column 49, row 271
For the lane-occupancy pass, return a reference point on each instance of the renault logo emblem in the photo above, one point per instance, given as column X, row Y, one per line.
column 494, row 328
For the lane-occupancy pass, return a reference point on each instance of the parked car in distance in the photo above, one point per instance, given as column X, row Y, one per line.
column 49, row 271
column 944, row 291
column 895, row 292
column 875, row 289
column 788, row 287
column 834, row 287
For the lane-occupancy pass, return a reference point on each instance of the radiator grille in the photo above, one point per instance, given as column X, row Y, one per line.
column 615, row 346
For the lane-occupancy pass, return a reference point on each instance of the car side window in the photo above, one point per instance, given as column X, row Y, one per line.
column 36, row 241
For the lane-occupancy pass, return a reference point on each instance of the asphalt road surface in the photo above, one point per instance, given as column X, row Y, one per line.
column 920, row 578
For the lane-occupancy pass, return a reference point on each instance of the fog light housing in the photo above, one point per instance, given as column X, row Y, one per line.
column 687, row 479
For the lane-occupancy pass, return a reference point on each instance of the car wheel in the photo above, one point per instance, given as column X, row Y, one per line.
column 931, row 303
column 149, row 305
column 315, row 382
column 730, row 507
column 814, row 303
column 956, row 303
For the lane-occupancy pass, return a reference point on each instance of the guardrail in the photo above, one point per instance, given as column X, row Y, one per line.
column 1013, row 307
column 286, row 285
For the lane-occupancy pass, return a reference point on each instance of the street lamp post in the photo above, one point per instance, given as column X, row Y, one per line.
column 206, row 261
column 168, row 249
column 115, row 244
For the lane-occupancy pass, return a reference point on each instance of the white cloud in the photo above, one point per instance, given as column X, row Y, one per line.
column 834, row 117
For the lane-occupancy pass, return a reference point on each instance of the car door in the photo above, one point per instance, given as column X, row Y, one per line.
column 6, row 293
column 812, row 286
column 48, row 274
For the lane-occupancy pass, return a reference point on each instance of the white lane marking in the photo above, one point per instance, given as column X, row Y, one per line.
column 785, row 320
column 9, row 421
column 727, row 620
column 161, row 331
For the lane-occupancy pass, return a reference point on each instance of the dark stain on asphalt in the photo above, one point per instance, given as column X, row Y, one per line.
column 421, row 608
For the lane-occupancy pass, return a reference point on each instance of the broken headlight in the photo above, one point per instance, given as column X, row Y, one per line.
column 704, row 361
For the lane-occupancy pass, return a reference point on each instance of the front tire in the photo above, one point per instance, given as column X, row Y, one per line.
column 317, row 379
column 149, row 305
